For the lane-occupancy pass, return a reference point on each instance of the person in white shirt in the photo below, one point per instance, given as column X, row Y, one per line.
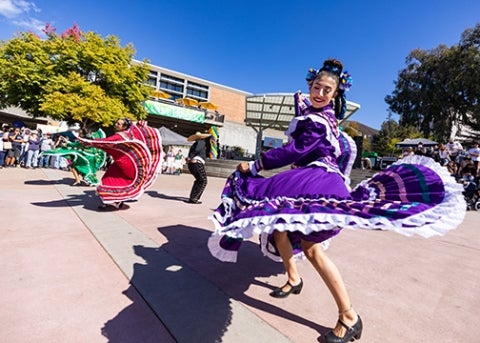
column 46, row 144
column 474, row 153
column 454, row 148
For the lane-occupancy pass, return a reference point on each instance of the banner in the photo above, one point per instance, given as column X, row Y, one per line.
column 213, row 142
column 174, row 111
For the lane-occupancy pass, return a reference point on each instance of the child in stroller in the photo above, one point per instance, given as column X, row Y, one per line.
column 471, row 191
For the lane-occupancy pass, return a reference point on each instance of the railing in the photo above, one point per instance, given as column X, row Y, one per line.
column 214, row 116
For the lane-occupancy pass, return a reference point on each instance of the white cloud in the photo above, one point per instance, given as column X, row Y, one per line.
column 21, row 13
column 14, row 8
column 31, row 24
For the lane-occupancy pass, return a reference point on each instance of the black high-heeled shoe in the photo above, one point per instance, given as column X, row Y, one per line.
column 353, row 332
column 279, row 293
column 111, row 207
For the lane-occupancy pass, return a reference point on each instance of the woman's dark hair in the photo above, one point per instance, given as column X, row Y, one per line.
column 127, row 122
column 335, row 68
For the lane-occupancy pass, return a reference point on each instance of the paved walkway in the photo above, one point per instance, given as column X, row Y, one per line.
column 72, row 274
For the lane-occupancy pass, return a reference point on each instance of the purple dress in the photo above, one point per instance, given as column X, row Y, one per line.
column 313, row 200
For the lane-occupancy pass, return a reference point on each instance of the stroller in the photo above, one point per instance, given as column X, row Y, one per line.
column 471, row 192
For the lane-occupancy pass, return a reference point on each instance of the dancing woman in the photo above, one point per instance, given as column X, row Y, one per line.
column 135, row 150
column 84, row 161
column 297, row 211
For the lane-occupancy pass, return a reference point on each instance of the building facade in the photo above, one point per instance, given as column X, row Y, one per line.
column 243, row 119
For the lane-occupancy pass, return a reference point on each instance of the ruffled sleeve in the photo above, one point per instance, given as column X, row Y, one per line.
column 309, row 144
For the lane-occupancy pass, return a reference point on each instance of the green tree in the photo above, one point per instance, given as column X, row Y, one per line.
column 351, row 128
column 439, row 88
column 75, row 77
column 366, row 144
column 391, row 132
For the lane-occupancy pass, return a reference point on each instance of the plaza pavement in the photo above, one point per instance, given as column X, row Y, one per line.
column 69, row 273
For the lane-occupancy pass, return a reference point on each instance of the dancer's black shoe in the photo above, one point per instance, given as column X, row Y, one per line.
column 353, row 332
column 190, row 201
column 280, row 293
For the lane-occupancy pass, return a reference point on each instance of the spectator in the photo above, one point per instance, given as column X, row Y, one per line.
column 366, row 163
column 7, row 144
column 57, row 161
column 474, row 153
column 179, row 162
column 45, row 145
column 3, row 133
column 408, row 152
column 466, row 166
column 420, row 150
column 454, row 148
column 23, row 154
column 434, row 153
column 170, row 160
column 15, row 137
column 33, row 150
column 452, row 168
column 443, row 155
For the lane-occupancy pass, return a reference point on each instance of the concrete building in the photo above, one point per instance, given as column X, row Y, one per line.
column 243, row 119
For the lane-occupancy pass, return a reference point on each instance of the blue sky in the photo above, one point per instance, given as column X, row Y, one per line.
column 264, row 46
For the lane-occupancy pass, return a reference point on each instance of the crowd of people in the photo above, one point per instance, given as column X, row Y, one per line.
column 173, row 161
column 451, row 155
column 23, row 147
column 84, row 153
column 462, row 163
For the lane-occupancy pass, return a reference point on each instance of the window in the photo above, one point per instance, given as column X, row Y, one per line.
column 197, row 91
column 171, row 87
column 173, row 79
column 152, row 78
column 178, row 87
column 172, row 84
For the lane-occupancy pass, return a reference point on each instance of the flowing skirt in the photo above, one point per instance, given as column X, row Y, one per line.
column 87, row 161
column 412, row 196
column 136, row 163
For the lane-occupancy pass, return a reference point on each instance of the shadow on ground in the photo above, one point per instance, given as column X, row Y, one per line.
column 189, row 245
column 183, row 297
column 64, row 181
column 155, row 194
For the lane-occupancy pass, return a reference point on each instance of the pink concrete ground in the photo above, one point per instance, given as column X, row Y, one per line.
column 60, row 282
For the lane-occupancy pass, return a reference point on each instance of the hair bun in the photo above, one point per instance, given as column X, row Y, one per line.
column 333, row 65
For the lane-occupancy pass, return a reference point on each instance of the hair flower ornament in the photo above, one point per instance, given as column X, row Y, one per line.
column 311, row 75
column 346, row 81
column 345, row 78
